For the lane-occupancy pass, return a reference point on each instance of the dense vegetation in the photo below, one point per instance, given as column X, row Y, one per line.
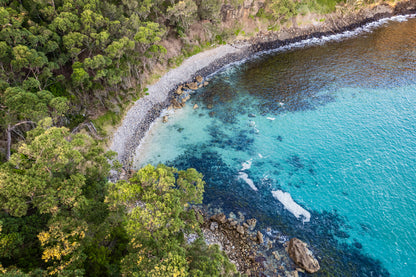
column 64, row 64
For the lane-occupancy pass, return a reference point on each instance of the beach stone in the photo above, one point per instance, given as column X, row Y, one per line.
column 179, row 91
column 252, row 223
column 213, row 226
column 260, row 237
column 209, row 106
column 220, row 218
column 185, row 99
column 199, row 79
column 193, row 86
column 240, row 229
column 276, row 255
column 233, row 222
column 206, row 83
column 165, row 119
column 302, row 256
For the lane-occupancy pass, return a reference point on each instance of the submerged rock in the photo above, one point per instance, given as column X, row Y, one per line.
column 302, row 256
column 251, row 223
column 165, row 119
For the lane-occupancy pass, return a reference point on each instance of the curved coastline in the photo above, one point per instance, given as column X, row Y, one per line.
column 140, row 116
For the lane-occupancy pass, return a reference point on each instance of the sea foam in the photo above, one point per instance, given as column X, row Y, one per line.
column 286, row 199
column 242, row 175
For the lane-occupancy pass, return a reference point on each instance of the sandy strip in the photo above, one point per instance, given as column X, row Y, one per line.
column 138, row 119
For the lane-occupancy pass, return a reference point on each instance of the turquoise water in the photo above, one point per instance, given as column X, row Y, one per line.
column 317, row 142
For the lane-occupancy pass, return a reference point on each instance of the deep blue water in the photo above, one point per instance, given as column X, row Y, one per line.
column 317, row 142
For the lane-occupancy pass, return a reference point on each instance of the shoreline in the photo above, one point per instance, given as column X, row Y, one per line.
column 142, row 114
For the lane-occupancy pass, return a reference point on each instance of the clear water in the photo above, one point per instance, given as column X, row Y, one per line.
column 334, row 126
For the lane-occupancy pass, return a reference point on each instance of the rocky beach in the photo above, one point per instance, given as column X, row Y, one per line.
column 245, row 245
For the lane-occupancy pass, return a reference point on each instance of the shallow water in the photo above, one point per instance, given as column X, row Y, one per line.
column 317, row 142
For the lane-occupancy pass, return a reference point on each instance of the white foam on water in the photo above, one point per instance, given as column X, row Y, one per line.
column 244, row 176
column 247, row 164
column 271, row 118
column 260, row 156
column 286, row 199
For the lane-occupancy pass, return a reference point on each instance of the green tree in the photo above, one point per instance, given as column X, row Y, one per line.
column 156, row 204
column 183, row 13
column 60, row 175
column 282, row 10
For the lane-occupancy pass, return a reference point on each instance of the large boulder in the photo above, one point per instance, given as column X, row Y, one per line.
column 302, row 256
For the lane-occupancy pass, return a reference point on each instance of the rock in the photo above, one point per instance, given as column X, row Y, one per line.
column 220, row 218
column 251, row 115
column 260, row 237
column 165, row 119
column 199, row 79
column 185, row 99
column 302, row 256
column 233, row 222
column 276, row 255
column 176, row 105
column 179, row 91
column 213, row 226
column 245, row 225
column 240, row 229
column 209, row 106
column 252, row 223
column 206, row 83
column 298, row 269
column 195, row 106
column 193, row 86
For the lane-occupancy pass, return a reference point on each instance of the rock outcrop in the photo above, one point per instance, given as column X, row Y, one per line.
column 236, row 240
column 302, row 256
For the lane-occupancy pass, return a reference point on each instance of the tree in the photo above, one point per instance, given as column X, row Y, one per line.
column 183, row 13
column 156, row 206
column 22, row 107
column 59, row 175
column 282, row 10
column 156, row 202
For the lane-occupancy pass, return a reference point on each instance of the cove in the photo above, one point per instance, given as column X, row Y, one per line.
column 317, row 142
